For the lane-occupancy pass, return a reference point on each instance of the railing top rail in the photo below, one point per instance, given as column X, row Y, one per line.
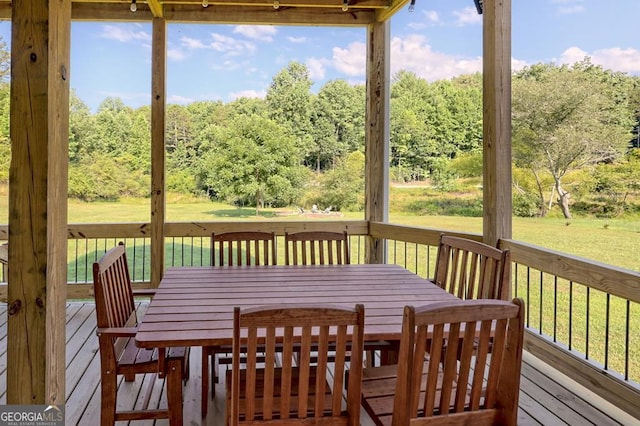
column 600, row 276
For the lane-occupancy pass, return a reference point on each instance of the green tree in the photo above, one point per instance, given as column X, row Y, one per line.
column 255, row 161
column 5, row 62
column 82, row 131
column 567, row 117
column 343, row 187
column 289, row 103
column 337, row 119
column 5, row 141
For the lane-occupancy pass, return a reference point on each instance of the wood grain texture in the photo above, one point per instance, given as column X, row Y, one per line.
column 496, row 118
column 158, row 156
column 376, row 178
column 40, row 46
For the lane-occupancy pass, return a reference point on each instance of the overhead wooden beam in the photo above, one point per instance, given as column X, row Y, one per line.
column 315, row 4
column 39, row 116
column 156, row 8
column 224, row 15
column 268, row 15
column 496, row 119
column 386, row 13
column 377, row 135
column 158, row 107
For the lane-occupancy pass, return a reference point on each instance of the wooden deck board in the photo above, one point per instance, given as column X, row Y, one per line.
column 544, row 398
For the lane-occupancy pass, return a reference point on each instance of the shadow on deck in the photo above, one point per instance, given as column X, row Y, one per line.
column 547, row 397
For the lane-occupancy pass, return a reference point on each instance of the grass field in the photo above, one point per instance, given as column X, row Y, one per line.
column 612, row 241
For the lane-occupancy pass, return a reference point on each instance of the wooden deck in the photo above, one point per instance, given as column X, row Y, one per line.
column 547, row 397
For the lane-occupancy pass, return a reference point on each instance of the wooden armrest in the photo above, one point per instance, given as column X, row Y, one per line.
column 118, row 332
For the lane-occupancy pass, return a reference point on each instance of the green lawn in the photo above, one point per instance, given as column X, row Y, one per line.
column 612, row 241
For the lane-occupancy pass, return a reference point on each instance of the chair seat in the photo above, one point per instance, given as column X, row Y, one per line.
column 259, row 389
column 379, row 388
column 141, row 360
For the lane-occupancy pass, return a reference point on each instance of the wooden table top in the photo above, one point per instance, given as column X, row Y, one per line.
column 193, row 306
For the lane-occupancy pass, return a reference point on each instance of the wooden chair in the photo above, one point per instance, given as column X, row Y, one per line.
column 4, row 261
column 429, row 386
column 243, row 248
column 317, row 248
column 117, row 325
column 473, row 270
column 233, row 249
column 301, row 393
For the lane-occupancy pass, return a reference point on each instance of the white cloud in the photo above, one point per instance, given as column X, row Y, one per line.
column 467, row 16
column 124, row 33
column 568, row 7
column 182, row 100
column 247, row 94
column 518, row 64
column 230, row 45
column 414, row 54
column 192, row 43
column 431, row 16
column 615, row 58
column 350, row 61
column 297, row 39
column 317, row 68
column 176, row 54
column 411, row 53
column 256, row 32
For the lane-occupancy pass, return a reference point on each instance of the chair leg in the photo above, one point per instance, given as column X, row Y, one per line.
column 109, row 389
column 174, row 391
column 204, row 398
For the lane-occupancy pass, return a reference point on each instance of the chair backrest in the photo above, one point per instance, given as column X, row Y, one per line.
column 475, row 377
column 115, row 307
column 243, row 248
column 324, row 333
column 317, row 248
column 473, row 270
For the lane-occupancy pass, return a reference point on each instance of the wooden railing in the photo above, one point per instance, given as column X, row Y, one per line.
column 582, row 316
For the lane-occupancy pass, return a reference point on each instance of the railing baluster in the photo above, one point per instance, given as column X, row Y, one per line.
column 555, row 308
column 570, row 314
column 541, row 304
column 626, row 341
column 606, row 332
column 586, row 350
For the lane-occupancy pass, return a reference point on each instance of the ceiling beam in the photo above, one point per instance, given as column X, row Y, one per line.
column 386, row 14
column 156, row 8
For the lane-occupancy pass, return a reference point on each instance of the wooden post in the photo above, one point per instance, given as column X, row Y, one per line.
column 497, row 120
column 40, row 56
column 377, row 135
column 158, row 103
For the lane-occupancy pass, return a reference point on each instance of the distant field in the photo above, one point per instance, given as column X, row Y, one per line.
column 613, row 241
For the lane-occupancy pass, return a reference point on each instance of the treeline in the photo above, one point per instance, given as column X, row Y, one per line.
column 295, row 147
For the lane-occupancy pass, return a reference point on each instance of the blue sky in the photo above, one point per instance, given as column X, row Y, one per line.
column 440, row 39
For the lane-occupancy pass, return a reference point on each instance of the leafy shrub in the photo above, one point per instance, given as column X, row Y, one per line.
column 468, row 165
column 526, row 204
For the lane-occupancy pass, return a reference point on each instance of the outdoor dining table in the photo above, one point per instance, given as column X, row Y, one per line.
column 193, row 306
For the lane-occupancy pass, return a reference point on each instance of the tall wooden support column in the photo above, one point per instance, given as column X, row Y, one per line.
column 377, row 135
column 158, row 103
column 497, row 120
column 40, row 56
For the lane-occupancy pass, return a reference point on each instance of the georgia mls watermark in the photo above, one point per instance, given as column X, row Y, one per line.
column 31, row 415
